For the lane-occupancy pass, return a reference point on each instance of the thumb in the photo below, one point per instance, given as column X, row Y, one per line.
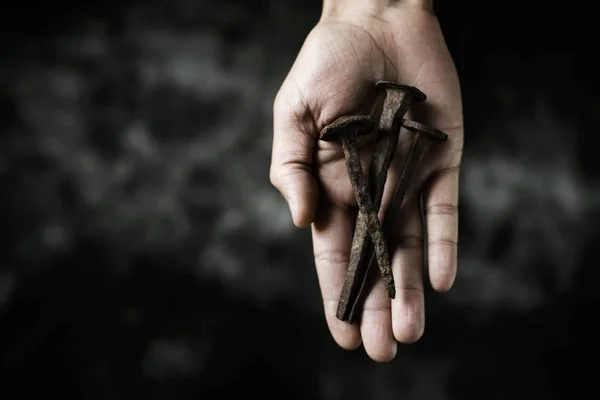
column 291, row 164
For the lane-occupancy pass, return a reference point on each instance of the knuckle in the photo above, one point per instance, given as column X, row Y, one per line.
column 451, row 170
column 410, row 242
column 379, row 308
column 447, row 209
column 274, row 176
column 444, row 242
column 332, row 257
column 411, row 289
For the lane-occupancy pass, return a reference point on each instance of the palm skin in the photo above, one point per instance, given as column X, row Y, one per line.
column 334, row 75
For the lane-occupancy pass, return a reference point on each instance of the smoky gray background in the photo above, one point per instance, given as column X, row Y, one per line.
column 144, row 252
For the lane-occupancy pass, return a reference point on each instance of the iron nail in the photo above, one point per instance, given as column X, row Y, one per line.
column 398, row 99
column 423, row 136
column 346, row 129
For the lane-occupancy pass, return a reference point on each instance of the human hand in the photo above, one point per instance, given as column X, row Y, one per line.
column 354, row 45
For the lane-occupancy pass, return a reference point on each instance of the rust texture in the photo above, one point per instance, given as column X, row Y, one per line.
column 423, row 136
column 397, row 101
column 346, row 129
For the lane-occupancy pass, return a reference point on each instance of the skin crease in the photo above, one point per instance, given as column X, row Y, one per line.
column 343, row 56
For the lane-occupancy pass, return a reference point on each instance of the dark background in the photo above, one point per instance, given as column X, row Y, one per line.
column 144, row 254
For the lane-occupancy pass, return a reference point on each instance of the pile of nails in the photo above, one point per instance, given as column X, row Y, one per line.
column 369, row 244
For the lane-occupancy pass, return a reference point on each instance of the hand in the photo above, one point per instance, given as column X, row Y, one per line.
column 338, row 65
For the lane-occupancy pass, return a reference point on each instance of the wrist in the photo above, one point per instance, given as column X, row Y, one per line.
column 340, row 8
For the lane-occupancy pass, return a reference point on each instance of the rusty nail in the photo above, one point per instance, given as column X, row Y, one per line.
column 346, row 129
column 398, row 99
column 423, row 136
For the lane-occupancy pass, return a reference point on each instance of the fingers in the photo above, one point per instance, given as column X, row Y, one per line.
column 403, row 319
column 441, row 212
column 408, row 307
column 332, row 239
column 384, row 321
column 291, row 163
column 376, row 325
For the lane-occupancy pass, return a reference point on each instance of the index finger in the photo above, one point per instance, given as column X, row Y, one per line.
column 332, row 240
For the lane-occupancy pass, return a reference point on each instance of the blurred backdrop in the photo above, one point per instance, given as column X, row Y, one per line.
column 144, row 253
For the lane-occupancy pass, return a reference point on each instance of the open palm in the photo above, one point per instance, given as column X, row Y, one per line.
column 334, row 75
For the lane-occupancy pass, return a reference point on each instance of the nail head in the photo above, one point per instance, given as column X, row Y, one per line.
column 347, row 126
column 422, row 128
column 417, row 94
